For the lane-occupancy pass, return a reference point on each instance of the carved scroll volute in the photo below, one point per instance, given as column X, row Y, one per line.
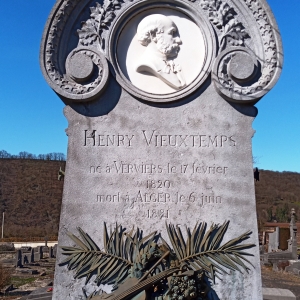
column 80, row 75
column 239, row 73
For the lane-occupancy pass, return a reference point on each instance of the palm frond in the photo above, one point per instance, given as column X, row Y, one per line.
column 86, row 258
column 202, row 249
column 121, row 250
column 129, row 253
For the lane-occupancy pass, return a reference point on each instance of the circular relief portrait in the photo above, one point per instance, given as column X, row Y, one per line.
column 161, row 51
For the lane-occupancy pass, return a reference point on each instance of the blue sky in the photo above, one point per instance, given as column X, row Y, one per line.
column 31, row 115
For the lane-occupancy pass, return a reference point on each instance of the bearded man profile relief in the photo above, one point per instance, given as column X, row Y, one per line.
column 158, row 34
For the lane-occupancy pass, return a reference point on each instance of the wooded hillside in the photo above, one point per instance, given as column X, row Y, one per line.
column 276, row 194
column 30, row 195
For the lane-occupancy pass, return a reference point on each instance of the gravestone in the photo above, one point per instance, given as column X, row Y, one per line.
column 25, row 260
column 45, row 249
column 273, row 240
column 160, row 102
column 19, row 259
column 292, row 242
column 32, row 255
column 40, row 252
column 51, row 252
column 55, row 250
column 36, row 256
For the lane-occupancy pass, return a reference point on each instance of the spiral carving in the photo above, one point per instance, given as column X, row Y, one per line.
column 73, row 84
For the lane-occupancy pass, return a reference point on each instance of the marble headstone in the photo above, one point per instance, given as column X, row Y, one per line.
column 160, row 102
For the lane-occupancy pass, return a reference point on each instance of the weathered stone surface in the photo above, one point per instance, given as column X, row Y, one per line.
column 242, row 67
column 167, row 164
column 81, row 67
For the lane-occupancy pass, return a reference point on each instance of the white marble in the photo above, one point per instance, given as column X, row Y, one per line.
column 161, row 51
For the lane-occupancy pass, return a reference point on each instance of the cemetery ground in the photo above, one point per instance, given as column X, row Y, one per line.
column 26, row 279
column 280, row 280
column 24, row 283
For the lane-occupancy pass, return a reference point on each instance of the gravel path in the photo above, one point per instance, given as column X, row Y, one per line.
column 281, row 280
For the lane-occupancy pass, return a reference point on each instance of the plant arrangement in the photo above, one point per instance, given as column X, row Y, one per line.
column 136, row 265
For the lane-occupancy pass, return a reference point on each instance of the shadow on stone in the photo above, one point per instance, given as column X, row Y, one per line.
column 103, row 104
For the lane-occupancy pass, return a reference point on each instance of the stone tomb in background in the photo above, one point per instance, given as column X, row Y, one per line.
column 160, row 103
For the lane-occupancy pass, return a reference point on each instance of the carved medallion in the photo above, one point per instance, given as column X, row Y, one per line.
column 159, row 56
column 162, row 54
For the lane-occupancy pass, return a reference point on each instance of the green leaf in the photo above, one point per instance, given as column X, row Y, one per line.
column 239, row 239
column 122, row 276
column 222, row 259
column 201, row 264
column 117, row 241
column 88, row 240
column 243, row 258
column 121, row 249
column 238, row 261
column 151, row 236
column 202, row 227
column 165, row 244
column 75, row 261
column 111, row 273
column 111, row 246
column 172, row 240
column 95, row 264
column 69, row 258
column 219, row 235
column 105, row 237
column 176, row 245
column 207, row 238
column 70, row 248
column 71, row 252
column 239, row 247
column 112, row 263
column 85, row 263
column 188, row 246
column 77, row 241
column 217, row 257
column 123, row 270
column 182, row 243
column 193, row 238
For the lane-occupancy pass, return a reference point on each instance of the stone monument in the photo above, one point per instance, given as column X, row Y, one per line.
column 158, row 195
column 292, row 242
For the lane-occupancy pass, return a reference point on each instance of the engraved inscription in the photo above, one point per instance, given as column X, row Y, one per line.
column 154, row 187
column 92, row 138
column 160, row 197
column 158, row 184
column 122, row 167
column 153, row 139
column 187, row 140
column 157, row 214
column 204, row 169
column 147, row 213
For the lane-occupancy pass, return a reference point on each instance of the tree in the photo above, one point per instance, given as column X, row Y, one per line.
column 4, row 154
column 270, row 214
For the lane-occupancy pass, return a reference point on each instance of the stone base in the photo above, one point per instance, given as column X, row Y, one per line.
column 277, row 294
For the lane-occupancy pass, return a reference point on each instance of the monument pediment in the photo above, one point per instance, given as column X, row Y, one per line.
column 235, row 44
